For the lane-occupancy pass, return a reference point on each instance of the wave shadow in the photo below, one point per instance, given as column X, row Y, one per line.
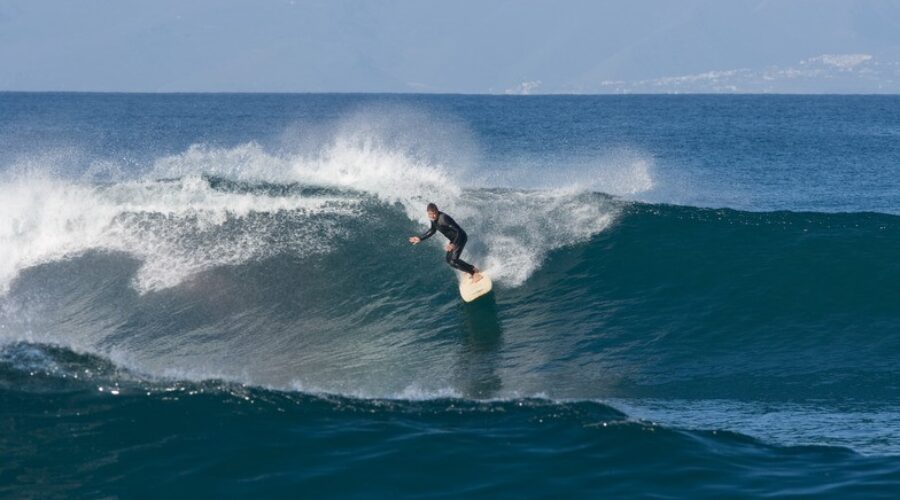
column 479, row 356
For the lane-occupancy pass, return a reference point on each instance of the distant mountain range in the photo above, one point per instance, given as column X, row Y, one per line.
column 841, row 73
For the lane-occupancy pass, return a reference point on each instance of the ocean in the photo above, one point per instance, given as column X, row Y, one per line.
column 213, row 295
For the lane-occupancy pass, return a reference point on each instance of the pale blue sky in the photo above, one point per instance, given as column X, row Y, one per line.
column 575, row 46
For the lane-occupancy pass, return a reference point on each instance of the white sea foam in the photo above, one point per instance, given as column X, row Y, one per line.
column 171, row 226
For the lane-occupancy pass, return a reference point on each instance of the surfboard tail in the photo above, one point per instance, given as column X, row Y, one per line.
column 470, row 290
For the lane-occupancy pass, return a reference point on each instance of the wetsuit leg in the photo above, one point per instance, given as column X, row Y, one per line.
column 457, row 263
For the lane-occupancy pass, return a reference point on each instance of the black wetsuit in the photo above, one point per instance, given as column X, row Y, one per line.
column 449, row 228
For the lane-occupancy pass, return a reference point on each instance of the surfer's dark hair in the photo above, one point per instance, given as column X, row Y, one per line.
column 432, row 208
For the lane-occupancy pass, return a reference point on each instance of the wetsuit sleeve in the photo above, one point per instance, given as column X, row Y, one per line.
column 430, row 232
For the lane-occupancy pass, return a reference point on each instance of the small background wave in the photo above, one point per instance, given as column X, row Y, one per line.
column 92, row 428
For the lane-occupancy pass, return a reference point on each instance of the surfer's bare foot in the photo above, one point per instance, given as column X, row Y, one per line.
column 476, row 277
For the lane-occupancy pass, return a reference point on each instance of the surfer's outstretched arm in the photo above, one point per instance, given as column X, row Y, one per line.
column 430, row 232
column 427, row 234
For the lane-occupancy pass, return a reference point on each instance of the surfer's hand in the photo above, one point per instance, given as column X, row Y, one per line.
column 450, row 247
column 414, row 240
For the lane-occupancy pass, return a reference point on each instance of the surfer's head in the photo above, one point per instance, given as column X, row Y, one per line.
column 432, row 210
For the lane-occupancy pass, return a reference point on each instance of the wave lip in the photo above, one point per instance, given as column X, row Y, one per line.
column 207, row 207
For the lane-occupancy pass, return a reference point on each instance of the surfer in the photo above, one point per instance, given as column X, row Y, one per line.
column 449, row 228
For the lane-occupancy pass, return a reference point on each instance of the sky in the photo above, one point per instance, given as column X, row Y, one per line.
column 459, row 46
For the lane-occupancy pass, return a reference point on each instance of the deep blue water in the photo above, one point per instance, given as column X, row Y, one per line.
column 695, row 296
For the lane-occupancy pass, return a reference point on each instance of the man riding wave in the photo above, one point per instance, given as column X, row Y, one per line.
column 449, row 228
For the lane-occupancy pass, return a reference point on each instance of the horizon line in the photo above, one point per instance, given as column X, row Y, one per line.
column 469, row 94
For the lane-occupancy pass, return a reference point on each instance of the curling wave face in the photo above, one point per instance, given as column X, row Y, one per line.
column 315, row 288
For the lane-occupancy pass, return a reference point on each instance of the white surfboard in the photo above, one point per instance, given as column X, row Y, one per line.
column 471, row 291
